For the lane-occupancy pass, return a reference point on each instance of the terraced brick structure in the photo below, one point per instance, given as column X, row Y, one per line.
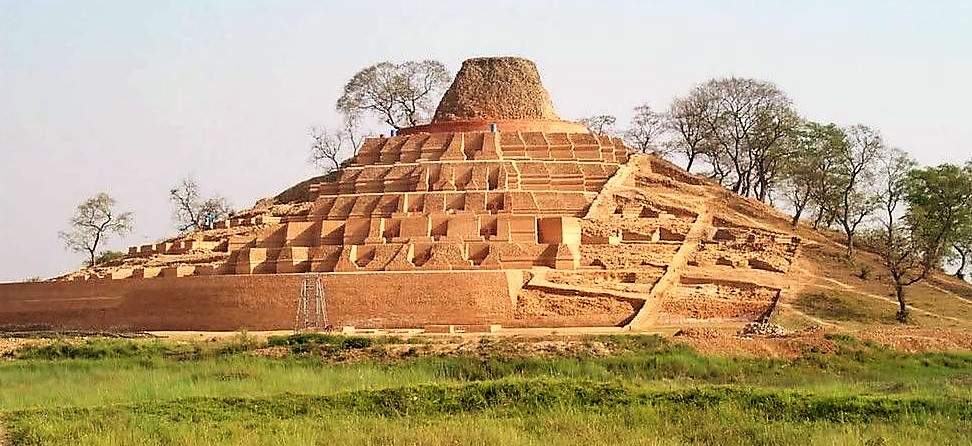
column 495, row 213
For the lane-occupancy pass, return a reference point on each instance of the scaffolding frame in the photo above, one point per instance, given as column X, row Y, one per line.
column 311, row 309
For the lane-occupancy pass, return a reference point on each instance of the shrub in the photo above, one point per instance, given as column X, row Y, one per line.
column 239, row 343
column 108, row 257
column 300, row 343
column 91, row 349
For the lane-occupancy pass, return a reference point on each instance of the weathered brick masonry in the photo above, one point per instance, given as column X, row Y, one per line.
column 258, row 302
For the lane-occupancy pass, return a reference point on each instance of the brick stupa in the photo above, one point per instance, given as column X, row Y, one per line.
column 496, row 181
column 496, row 212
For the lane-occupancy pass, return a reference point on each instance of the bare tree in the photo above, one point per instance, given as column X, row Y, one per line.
column 748, row 120
column 894, row 165
column 646, row 127
column 191, row 212
column 94, row 220
column 741, row 125
column 686, row 118
column 894, row 242
column 600, row 124
column 853, row 178
column 400, row 95
column 329, row 149
column 905, row 261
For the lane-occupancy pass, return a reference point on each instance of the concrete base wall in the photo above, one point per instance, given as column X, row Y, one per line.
column 260, row 302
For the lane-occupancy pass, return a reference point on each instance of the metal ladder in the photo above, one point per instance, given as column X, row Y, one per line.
column 311, row 312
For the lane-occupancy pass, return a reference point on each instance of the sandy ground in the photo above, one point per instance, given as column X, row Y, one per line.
column 904, row 339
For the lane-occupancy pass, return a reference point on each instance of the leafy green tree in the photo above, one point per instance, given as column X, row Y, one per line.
column 939, row 209
column 94, row 220
column 962, row 246
column 912, row 246
column 809, row 164
column 855, row 197
column 962, row 252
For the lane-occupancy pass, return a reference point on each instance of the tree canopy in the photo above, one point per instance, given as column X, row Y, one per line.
column 645, row 129
column 398, row 94
column 94, row 220
column 744, row 123
column 939, row 212
column 192, row 212
column 600, row 124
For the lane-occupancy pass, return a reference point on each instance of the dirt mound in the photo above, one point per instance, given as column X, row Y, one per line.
column 697, row 333
column 496, row 88
column 715, row 301
column 573, row 310
column 715, row 342
column 762, row 329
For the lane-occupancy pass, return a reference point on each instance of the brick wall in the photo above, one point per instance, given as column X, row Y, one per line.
column 259, row 302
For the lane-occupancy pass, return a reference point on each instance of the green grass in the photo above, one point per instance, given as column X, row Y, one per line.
column 516, row 412
column 633, row 425
column 647, row 391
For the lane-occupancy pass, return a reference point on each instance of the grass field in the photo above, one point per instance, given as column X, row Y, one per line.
column 621, row 390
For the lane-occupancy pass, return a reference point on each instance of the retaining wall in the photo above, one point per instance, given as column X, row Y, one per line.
column 260, row 302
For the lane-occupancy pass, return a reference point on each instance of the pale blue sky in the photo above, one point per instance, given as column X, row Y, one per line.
column 129, row 96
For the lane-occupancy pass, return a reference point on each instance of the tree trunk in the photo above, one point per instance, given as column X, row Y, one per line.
column 762, row 185
column 850, row 243
column 960, row 273
column 899, row 291
column 818, row 220
column 94, row 246
column 796, row 217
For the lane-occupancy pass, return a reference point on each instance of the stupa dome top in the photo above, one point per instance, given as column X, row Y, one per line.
column 496, row 88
